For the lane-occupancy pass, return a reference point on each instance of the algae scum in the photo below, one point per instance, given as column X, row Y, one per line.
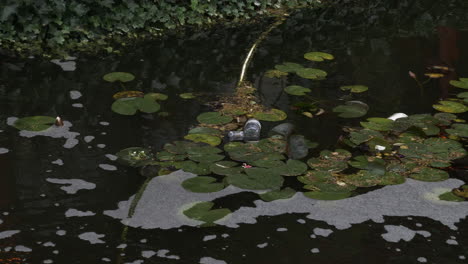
column 139, row 169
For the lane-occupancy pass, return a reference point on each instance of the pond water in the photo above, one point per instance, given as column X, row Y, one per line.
column 62, row 199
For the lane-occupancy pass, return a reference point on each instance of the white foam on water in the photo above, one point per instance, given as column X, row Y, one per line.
column 322, row 232
column 92, row 237
column 104, row 123
column 21, row 248
column 148, row 253
column 65, row 65
column 162, row 253
column 8, row 233
column 4, row 150
column 101, row 145
column 74, row 185
column 77, row 213
column 75, row 94
column 61, row 232
column 77, row 105
column 422, row 259
column 210, row 260
column 315, row 250
column 396, row 233
column 164, row 199
column 263, row 245
column 111, row 157
column 57, row 162
column 88, row 139
column 49, row 244
column 53, row 132
column 209, row 237
column 108, row 167
column 452, row 242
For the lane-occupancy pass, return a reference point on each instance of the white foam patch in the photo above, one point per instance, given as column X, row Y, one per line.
column 210, row 260
column 209, row 237
column 452, row 242
column 88, row 139
column 74, row 185
column 111, row 157
column 75, row 94
column 48, row 261
column 77, row 105
column 315, row 250
column 322, row 232
column 61, row 232
column 57, row 162
column 74, row 212
column 396, row 233
column 8, row 233
column 148, row 253
column 101, row 145
column 422, row 260
column 263, row 245
column 138, row 261
column 108, row 167
column 65, row 65
column 21, row 248
column 162, row 253
column 53, row 132
column 164, row 199
column 104, row 123
column 49, row 244
column 92, row 237
column 4, row 150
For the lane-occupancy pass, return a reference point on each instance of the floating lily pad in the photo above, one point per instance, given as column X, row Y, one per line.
column 157, row 96
column 330, row 196
column 449, row 196
column 202, row 184
column 202, row 150
column 313, row 177
column 205, row 157
column 351, row 109
column 430, row 175
column 202, row 212
column 450, row 107
column 355, row 88
column 167, row 156
column 462, row 83
column 128, row 94
column 268, row 163
column 256, row 179
column 204, row 138
column 366, row 178
column 285, row 193
column 273, row 115
column 461, row 192
column 134, row 156
column 34, row 123
column 205, row 130
column 187, row 96
column 445, row 118
column 225, row 168
column 289, row 67
column 213, row 118
column 311, row 73
column 318, row 56
column 178, row 147
column 378, row 124
column 425, row 122
column 275, row 74
column 364, row 135
column 129, row 106
column 296, row 90
column 272, row 144
column 330, row 161
column 372, row 164
column 118, row 76
column 330, row 186
column 202, row 168
column 459, row 130
column 292, row 168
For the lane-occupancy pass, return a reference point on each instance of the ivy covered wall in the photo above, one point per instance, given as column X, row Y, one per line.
column 39, row 25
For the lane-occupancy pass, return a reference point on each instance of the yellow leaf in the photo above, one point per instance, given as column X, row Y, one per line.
column 434, row 75
column 308, row 114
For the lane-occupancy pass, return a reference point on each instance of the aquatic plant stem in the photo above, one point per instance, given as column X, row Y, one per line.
column 255, row 45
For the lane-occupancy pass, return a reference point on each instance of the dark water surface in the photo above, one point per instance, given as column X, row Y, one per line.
column 209, row 63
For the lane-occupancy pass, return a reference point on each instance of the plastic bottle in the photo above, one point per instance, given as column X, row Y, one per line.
column 252, row 129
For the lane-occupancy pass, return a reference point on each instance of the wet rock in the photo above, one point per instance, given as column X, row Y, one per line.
column 298, row 148
column 284, row 130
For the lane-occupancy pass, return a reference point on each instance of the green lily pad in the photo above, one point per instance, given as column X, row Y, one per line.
column 328, row 196
column 129, row 106
column 206, row 157
column 118, row 76
column 275, row 74
column 202, row 212
column 156, row 96
column 289, row 67
column 445, row 119
column 273, row 144
column 450, row 107
column 268, row 163
column 202, row 150
column 365, row 178
column 314, row 177
column 202, row 184
column 225, row 168
column 378, row 124
column 372, row 164
column 449, row 196
column 364, row 135
column 204, row 138
column 134, row 156
column 273, row 115
column 311, row 73
column 462, row 83
column 167, row 156
column 459, row 130
column 425, row 122
column 187, row 96
column 318, row 56
column 34, row 123
column 430, row 175
column 351, row 109
column 202, row 168
column 179, row 147
column 285, row 193
column 256, row 179
column 205, row 130
column 213, row 118
column 330, row 161
column 461, row 192
column 296, row 90
column 292, row 168
column 355, row 88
